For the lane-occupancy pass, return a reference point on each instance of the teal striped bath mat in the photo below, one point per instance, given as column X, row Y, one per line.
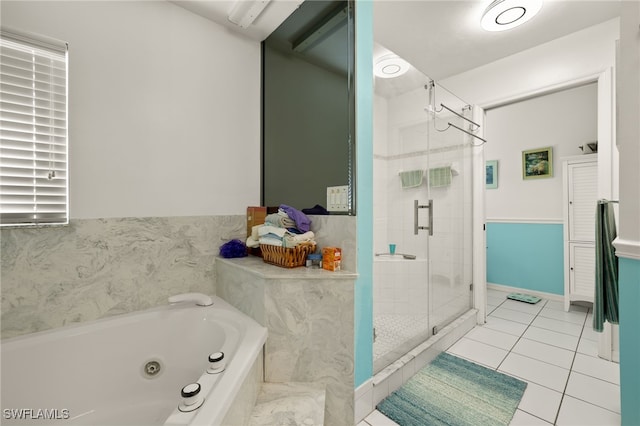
column 453, row 391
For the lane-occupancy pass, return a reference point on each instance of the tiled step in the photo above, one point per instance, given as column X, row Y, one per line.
column 289, row 403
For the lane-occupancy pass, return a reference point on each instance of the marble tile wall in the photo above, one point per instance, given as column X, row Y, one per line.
column 94, row 268
column 337, row 231
column 310, row 317
column 289, row 404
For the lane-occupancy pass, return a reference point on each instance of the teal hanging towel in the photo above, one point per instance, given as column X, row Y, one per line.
column 605, row 306
column 440, row 176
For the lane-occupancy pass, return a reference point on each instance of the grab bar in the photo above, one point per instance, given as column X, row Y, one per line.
column 416, row 226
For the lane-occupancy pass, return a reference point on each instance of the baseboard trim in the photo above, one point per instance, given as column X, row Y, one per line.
column 542, row 294
column 363, row 400
column 364, row 388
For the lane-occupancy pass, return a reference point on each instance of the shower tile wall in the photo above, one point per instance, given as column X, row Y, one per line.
column 400, row 144
column 95, row 268
column 400, row 287
column 380, row 150
column 452, row 216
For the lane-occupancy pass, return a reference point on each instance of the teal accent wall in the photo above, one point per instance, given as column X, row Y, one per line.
column 526, row 255
column 629, row 293
column 364, row 193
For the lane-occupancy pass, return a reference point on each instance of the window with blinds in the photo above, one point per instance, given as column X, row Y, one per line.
column 33, row 131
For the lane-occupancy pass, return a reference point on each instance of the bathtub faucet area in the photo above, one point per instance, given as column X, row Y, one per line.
column 199, row 299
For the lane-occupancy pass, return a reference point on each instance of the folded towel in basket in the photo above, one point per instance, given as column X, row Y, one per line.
column 252, row 243
column 274, row 230
column 281, row 220
column 271, row 241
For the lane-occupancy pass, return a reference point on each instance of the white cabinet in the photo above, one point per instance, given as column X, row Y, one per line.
column 580, row 179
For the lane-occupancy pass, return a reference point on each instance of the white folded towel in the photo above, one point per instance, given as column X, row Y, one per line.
column 271, row 241
column 280, row 237
column 280, row 219
column 252, row 242
column 254, row 232
column 268, row 229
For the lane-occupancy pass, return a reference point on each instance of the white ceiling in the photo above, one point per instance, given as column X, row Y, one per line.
column 440, row 38
column 444, row 38
column 218, row 11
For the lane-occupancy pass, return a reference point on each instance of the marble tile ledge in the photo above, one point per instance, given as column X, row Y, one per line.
column 256, row 266
column 289, row 404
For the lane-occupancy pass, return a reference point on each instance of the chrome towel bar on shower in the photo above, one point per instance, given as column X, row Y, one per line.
column 459, row 115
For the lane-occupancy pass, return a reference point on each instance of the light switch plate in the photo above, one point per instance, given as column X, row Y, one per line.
column 338, row 198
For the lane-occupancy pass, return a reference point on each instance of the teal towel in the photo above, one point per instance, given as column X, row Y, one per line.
column 440, row 176
column 605, row 306
column 411, row 179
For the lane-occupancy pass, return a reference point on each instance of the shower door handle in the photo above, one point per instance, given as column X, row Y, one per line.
column 416, row 207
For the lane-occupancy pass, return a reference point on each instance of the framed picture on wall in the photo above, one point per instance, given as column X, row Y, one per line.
column 537, row 163
column 491, row 174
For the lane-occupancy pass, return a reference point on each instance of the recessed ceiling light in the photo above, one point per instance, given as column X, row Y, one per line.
column 390, row 67
column 506, row 14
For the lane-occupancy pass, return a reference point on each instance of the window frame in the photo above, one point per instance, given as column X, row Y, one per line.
column 34, row 126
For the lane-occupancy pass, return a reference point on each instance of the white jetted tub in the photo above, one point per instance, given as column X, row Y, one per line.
column 131, row 369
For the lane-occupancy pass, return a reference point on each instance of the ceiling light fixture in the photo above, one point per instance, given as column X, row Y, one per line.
column 390, row 66
column 503, row 15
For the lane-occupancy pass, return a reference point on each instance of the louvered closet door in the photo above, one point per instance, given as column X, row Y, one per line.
column 582, row 270
column 583, row 187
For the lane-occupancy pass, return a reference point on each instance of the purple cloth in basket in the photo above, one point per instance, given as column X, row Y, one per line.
column 303, row 223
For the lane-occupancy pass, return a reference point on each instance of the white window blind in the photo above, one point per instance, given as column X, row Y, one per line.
column 33, row 132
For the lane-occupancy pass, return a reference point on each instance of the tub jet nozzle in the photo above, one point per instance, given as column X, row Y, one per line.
column 192, row 398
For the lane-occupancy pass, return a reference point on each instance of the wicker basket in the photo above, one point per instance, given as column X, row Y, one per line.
column 287, row 257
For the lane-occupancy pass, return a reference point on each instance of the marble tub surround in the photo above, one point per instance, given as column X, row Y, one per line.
column 241, row 409
column 310, row 317
column 93, row 268
column 289, row 404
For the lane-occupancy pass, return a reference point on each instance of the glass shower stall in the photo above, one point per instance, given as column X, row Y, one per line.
column 423, row 192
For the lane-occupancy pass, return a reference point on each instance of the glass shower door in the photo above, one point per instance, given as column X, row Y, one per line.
column 420, row 281
column 449, row 185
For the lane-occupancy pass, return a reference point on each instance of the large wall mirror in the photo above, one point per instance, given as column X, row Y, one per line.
column 308, row 136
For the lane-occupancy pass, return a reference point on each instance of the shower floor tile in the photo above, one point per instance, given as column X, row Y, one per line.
column 394, row 330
